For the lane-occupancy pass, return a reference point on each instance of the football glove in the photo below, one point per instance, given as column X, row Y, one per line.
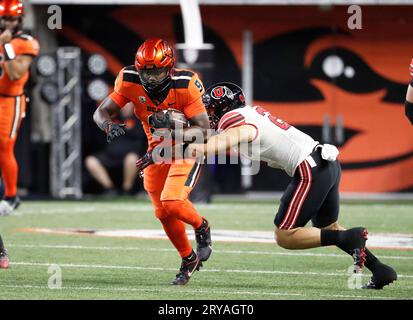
column 144, row 162
column 113, row 130
column 160, row 120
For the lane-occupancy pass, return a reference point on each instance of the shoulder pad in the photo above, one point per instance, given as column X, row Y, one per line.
column 24, row 36
column 181, row 78
column 130, row 74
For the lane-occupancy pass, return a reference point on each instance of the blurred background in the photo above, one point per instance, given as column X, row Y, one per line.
column 306, row 61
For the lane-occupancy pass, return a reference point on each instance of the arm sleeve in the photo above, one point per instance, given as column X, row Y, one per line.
column 194, row 105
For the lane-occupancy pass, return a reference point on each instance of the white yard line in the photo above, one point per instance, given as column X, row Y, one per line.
column 240, row 252
column 100, row 266
column 200, row 291
column 378, row 240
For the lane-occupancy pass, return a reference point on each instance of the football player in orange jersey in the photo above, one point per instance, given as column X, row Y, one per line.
column 16, row 53
column 153, row 85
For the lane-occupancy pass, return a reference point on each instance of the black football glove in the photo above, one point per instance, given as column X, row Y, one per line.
column 144, row 162
column 113, row 130
column 160, row 120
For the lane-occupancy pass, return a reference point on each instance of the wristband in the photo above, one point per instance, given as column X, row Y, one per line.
column 9, row 53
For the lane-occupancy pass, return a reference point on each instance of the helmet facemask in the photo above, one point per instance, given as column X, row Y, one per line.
column 155, row 79
column 16, row 29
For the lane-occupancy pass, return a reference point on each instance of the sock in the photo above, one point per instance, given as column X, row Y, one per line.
column 10, row 199
column 8, row 166
column 334, row 237
column 329, row 237
column 184, row 211
column 204, row 224
column 371, row 261
column 191, row 257
column 176, row 232
column 1, row 245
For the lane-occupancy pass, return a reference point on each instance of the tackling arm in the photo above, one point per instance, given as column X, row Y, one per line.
column 199, row 127
column 223, row 141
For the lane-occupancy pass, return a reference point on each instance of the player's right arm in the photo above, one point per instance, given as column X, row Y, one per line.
column 110, row 109
column 106, row 111
column 18, row 54
column 409, row 97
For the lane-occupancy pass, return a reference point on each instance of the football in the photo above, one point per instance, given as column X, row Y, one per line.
column 170, row 119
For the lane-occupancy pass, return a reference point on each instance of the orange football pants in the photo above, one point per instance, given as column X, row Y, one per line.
column 169, row 186
column 12, row 111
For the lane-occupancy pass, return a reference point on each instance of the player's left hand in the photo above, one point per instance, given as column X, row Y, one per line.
column 195, row 150
column 5, row 37
column 144, row 162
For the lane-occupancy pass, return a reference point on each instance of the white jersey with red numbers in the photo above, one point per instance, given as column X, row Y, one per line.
column 276, row 142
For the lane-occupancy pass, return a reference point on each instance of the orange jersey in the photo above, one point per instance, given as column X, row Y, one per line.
column 22, row 44
column 185, row 95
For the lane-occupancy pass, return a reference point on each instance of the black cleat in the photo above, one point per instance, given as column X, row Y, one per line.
column 203, row 240
column 382, row 276
column 188, row 267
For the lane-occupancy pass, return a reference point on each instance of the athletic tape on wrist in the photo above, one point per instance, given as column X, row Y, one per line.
column 9, row 53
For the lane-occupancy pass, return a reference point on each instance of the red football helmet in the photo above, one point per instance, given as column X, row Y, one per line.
column 154, row 61
column 11, row 8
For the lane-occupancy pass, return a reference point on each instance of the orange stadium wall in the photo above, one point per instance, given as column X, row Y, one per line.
column 292, row 49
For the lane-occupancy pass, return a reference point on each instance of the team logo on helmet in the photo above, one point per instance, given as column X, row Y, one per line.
column 220, row 92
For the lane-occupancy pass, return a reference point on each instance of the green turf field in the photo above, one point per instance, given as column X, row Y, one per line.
column 127, row 268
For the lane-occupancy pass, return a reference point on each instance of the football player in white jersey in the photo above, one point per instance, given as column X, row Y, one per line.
column 313, row 193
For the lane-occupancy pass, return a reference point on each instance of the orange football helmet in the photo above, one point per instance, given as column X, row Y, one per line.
column 154, row 53
column 11, row 10
column 154, row 62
